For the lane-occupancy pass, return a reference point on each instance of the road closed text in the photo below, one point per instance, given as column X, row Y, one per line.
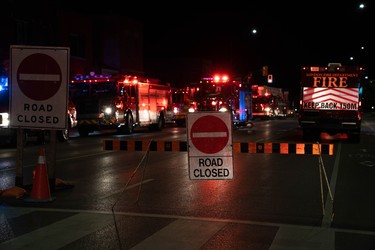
column 211, row 168
column 41, row 114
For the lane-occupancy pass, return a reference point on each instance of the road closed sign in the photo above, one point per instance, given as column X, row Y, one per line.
column 210, row 145
column 39, row 87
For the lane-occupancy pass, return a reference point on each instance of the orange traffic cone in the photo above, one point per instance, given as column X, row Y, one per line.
column 40, row 191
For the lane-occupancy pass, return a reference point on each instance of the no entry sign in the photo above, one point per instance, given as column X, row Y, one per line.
column 210, row 148
column 39, row 82
column 209, row 134
column 39, row 87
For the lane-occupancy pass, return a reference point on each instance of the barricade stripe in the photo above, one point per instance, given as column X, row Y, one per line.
column 259, row 147
column 252, row 148
column 268, row 148
column 292, row 148
column 154, row 146
column 176, row 146
column 308, row 149
column 168, row 146
column 238, row 147
column 300, row 148
column 244, row 147
column 123, row 145
column 275, row 148
column 108, row 145
column 183, row 146
column 284, row 148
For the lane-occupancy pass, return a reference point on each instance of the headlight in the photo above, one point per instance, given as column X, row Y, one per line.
column 108, row 110
column 191, row 110
column 223, row 109
column 4, row 119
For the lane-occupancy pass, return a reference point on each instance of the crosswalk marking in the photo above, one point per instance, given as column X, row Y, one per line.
column 290, row 237
column 184, row 232
column 181, row 234
column 59, row 234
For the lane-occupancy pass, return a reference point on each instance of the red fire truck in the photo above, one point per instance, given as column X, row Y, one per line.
column 121, row 102
column 269, row 102
column 220, row 93
column 183, row 103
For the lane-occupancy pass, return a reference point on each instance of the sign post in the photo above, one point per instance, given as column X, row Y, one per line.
column 38, row 95
column 210, row 145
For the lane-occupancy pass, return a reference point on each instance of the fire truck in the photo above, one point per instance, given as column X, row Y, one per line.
column 121, row 102
column 220, row 93
column 183, row 103
column 331, row 100
column 269, row 102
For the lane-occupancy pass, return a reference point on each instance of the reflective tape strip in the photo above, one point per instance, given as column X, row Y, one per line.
column 238, row 147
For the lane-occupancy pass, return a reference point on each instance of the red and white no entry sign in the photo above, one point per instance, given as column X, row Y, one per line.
column 39, row 77
column 39, row 87
column 210, row 148
column 209, row 134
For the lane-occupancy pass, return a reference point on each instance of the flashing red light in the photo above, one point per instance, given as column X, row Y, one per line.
column 221, row 78
column 217, row 78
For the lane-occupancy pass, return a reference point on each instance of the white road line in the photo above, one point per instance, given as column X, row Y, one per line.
column 297, row 238
column 181, row 234
column 59, row 234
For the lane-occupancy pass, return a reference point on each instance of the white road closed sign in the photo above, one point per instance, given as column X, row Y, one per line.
column 39, row 87
column 210, row 146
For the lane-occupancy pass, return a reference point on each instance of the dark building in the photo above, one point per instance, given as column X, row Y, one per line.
column 100, row 43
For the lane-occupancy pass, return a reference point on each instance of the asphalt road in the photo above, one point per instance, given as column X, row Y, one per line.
column 128, row 199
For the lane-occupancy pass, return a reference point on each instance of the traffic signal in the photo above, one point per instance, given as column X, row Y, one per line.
column 269, row 78
column 265, row 70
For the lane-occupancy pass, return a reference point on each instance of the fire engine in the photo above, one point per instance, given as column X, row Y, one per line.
column 269, row 102
column 220, row 93
column 121, row 102
column 183, row 103
column 331, row 100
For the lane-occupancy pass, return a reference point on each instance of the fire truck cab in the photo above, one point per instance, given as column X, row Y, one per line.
column 121, row 102
column 220, row 93
column 269, row 102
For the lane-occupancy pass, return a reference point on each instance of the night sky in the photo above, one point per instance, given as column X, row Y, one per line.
column 290, row 35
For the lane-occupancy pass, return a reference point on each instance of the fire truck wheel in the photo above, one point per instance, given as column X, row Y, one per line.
column 161, row 122
column 129, row 129
column 63, row 135
column 159, row 125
